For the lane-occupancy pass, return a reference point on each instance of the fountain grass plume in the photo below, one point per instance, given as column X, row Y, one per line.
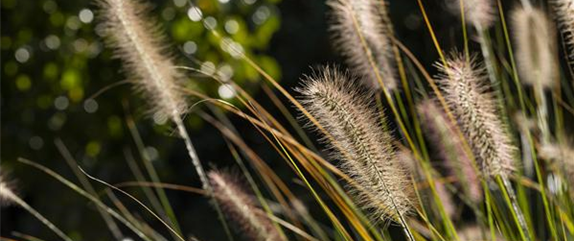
column 480, row 13
column 463, row 82
column 138, row 43
column 357, row 139
column 362, row 31
column 534, row 38
column 240, row 207
column 467, row 93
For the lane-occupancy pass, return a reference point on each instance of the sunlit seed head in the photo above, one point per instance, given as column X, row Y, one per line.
column 137, row 41
column 240, row 207
column 480, row 13
column 536, row 53
column 362, row 32
column 356, row 138
column 466, row 91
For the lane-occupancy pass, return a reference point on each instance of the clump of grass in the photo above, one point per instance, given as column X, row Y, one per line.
column 361, row 31
column 239, row 206
column 468, row 131
column 356, row 138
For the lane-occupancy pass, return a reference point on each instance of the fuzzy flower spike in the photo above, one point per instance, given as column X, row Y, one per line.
column 240, row 207
column 479, row 13
column 465, row 90
column 138, row 43
column 536, row 51
column 357, row 139
column 361, row 31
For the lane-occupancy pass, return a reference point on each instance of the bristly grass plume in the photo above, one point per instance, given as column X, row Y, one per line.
column 138, row 42
column 466, row 91
column 359, row 142
column 362, row 32
column 536, row 51
column 240, row 207
column 480, row 13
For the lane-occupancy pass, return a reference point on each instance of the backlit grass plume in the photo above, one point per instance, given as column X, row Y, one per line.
column 239, row 206
column 464, row 85
column 361, row 30
column 138, row 42
column 536, row 51
column 359, row 142
column 8, row 196
column 479, row 13
column 445, row 139
column 564, row 10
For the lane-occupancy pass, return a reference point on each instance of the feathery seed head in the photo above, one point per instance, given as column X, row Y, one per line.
column 536, row 50
column 361, row 31
column 480, row 13
column 564, row 10
column 465, row 90
column 138, row 43
column 239, row 206
column 357, row 139
column 446, row 140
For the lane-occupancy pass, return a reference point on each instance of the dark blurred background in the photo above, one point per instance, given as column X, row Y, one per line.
column 54, row 61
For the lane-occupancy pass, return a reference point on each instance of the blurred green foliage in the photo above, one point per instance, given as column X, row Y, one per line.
column 53, row 59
